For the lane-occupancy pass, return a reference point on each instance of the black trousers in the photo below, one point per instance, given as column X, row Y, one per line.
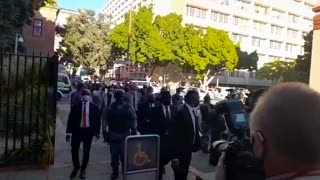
column 185, row 161
column 85, row 136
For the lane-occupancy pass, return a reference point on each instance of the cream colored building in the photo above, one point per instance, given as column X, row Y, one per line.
column 273, row 28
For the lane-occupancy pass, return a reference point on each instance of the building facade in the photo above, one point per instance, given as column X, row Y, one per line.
column 273, row 28
column 41, row 36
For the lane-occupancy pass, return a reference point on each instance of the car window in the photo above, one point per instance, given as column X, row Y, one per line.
column 63, row 79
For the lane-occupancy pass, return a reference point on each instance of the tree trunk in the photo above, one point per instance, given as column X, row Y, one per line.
column 204, row 82
column 149, row 76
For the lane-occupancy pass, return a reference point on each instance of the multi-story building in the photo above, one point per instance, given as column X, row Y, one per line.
column 275, row 28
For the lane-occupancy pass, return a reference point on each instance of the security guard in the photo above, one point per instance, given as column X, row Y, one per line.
column 121, row 122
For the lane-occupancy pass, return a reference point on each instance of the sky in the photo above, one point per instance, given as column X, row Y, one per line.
column 96, row 5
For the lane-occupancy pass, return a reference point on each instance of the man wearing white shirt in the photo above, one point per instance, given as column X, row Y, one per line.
column 134, row 97
column 186, row 135
column 84, row 123
column 162, row 120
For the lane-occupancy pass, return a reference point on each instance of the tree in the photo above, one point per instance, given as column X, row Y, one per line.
column 208, row 53
column 85, row 39
column 246, row 60
column 303, row 62
column 147, row 45
column 278, row 71
column 14, row 15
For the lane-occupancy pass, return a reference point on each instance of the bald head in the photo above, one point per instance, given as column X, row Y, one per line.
column 288, row 115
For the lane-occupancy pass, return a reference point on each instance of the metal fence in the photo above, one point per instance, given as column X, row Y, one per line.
column 27, row 108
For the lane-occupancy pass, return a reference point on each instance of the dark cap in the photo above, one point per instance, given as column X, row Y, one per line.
column 80, row 85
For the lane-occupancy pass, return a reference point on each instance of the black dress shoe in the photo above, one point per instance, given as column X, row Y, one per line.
column 83, row 175
column 74, row 173
column 114, row 175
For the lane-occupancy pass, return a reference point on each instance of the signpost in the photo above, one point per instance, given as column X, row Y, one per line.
column 141, row 158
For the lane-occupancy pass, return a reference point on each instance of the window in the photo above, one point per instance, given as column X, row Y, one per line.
column 261, row 9
column 223, row 18
column 292, row 33
column 276, row 14
column 190, row 10
column 224, row 2
column 214, row 16
column 257, row 42
column 201, row 13
column 275, row 45
column 290, row 47
column 37, row 27
column 237, row 38
column 238, row 21
column 293, row 18
column 301, row 50
column 276, row 29
column 260, row 26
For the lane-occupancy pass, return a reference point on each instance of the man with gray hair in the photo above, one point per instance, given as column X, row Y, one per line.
column 285, row 132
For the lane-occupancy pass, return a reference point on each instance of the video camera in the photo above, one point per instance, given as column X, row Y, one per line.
column 240, row 161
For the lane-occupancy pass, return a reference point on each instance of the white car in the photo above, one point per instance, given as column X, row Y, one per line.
column 140, row 84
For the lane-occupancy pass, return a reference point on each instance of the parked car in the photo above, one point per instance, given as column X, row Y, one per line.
column 63, row 86
column 140, row 84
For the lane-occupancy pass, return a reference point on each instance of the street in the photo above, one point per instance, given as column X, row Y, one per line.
column 99, row 165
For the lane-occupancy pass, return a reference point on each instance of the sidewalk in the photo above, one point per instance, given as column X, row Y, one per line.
column 99, row 165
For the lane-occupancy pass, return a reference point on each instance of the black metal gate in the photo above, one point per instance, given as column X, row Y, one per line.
column 27, row 109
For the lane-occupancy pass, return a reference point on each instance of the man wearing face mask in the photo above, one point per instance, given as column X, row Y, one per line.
column 186, row 135
column 163, row 116
column 120, row 122
column 145, row 114
column 284, row 130
column 83, row 124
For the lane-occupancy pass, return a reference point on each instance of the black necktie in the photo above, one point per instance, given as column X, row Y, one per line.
column 167, row 113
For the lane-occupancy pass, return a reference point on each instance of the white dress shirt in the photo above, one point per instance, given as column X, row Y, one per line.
column 164, row 108
column 86, row 124
column 191, row 109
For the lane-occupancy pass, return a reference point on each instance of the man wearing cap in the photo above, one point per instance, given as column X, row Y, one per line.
column 83, row 124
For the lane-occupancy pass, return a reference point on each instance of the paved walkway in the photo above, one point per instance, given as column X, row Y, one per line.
column 99, row 165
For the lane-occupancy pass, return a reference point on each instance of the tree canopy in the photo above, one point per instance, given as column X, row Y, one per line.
column 15, row 14
column 85, row 39
column 298, row 70
column 164, row 40
column 247, row 60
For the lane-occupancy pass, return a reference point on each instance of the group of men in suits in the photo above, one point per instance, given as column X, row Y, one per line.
column 178, row 125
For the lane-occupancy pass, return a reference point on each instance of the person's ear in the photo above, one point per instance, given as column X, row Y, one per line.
column 258, row 145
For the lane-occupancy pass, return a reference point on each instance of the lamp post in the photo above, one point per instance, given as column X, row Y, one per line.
column 17, row 40
column 129, row 32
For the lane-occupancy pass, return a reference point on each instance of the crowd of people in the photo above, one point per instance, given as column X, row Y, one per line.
column 284, row 127
column 127, row 110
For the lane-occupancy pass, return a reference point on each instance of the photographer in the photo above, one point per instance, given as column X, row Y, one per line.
column 284, row 130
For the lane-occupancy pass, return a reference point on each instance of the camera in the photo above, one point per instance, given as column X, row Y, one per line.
column 240, row 162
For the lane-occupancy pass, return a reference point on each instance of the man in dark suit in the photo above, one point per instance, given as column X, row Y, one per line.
column 162, row 119
column 145, row 114
column 83, row 124
column 186, row 135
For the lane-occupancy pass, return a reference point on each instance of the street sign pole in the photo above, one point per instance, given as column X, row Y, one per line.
column 142, row 157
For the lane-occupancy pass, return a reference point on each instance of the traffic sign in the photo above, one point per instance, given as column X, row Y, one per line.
column 142, row 157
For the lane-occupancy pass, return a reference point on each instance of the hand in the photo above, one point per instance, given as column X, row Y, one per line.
column 220, row 169
column 68, row 138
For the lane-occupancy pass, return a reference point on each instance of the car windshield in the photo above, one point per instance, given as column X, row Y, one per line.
column 63, row 79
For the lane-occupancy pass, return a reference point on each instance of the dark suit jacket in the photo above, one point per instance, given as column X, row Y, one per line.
column 183, row 135
column 161, row 125
column 75, row 116
column 144, row 115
